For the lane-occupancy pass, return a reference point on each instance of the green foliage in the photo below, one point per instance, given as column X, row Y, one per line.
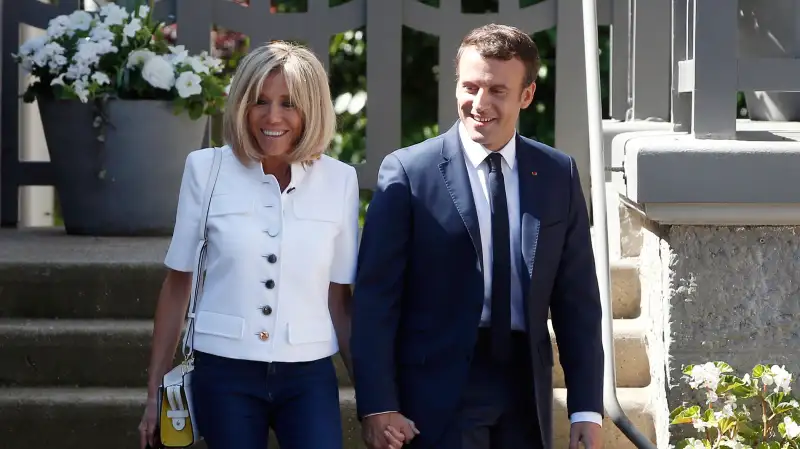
column 727, row 418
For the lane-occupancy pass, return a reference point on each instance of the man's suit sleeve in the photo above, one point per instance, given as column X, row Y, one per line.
column 379, row 288
column 576, row 311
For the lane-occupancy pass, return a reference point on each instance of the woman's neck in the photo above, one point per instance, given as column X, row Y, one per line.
column 279, row 168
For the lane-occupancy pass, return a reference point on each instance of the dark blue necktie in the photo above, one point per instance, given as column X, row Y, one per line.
column 501, row 261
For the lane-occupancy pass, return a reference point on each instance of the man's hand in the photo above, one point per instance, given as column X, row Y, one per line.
column 387, row 431
column 588, row 433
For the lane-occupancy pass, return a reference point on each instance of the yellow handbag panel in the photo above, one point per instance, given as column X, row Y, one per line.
column 169, row 436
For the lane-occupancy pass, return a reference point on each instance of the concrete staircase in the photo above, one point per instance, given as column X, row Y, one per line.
column 75, row 326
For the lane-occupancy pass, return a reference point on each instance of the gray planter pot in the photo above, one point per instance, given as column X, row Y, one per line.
column 127, row 185
column 767, row 29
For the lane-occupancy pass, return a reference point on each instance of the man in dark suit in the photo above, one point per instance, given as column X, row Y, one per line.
column 470, row 238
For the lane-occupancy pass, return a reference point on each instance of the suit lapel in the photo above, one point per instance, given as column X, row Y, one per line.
column 456, row 179
column 531, row 201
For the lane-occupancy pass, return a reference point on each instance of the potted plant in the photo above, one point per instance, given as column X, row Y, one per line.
column 121, row 108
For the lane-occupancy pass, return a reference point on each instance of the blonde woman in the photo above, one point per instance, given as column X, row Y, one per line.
column 282, row 243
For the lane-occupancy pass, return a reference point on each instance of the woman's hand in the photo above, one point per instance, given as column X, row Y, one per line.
column 147, row 427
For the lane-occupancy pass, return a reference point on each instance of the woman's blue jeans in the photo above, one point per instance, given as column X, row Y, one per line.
column 238, row 401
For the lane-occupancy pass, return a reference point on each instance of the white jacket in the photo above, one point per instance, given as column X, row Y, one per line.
column 271, row 255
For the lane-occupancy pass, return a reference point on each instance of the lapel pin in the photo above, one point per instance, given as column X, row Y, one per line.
column 534, row 173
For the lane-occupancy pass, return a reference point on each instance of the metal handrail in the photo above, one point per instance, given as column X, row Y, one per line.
column 600, row 244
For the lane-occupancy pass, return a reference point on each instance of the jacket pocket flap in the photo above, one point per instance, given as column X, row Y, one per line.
column 211, row 323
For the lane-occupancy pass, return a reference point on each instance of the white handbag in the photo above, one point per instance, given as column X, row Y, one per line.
column 177, row 426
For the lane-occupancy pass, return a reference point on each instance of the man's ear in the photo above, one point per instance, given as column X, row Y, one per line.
column 527, row 95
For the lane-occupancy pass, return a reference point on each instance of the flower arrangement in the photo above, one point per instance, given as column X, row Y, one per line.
column 116, row 53
column 726, row 419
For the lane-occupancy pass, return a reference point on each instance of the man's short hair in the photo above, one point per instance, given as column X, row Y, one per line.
column 503, row 42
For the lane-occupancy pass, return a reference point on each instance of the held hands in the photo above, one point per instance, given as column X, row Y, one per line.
column 387, row 431
column 588, row 433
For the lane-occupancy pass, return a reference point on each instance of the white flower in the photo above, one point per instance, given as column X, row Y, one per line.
column 701, row 425
column 78, row 70
column 729, row 407
column 159, row 73
column 695, row 444
column 57, row 63
column 211, row 62
column 139, row 57
column 89, row 52
column 144, row 10
column 188, row 84
column 228, row 88
column 782, row 378
column 27, row 51
column 179, row 54
column 197, row 65
column 80, row 20
column 705, row 376
column 81, row 89
column 101, row 78
column 132, row 27
column 114, row 14
column 51, row 55
column 732, row 444
column 32, row 45
column 58, row 27
column 791, row 427
column 102, row 33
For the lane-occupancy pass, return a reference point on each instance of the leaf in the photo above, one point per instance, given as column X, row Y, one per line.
column 773, row 399
column 686, row 415
column 759, row 370
column 724, row 367
column 768, row 445
column 744, row 391
column 784, row 407
column 748, row 431
column 195, row 111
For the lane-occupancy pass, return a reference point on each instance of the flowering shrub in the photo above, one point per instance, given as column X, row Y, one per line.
column 726, row 419
column 114, row 53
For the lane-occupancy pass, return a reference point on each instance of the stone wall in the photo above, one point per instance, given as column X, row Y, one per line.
column 716, row 293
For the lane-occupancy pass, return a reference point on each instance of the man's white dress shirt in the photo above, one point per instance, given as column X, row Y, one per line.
column 478, row 170
column 271, row 256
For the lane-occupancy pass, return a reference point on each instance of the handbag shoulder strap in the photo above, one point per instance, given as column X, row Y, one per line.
column 198, row 275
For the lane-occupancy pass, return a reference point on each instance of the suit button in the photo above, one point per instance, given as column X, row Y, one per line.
column 270, row 284
column 264, row 336
column 272, row 258
column 266, row 310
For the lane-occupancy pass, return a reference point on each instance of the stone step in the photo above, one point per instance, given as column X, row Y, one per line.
column 79, row 417
column 635, row 403
column 115, row 353
column 126, row 285
column 630, row 355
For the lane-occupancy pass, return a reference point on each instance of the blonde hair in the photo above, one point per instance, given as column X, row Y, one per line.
column 308, row 91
